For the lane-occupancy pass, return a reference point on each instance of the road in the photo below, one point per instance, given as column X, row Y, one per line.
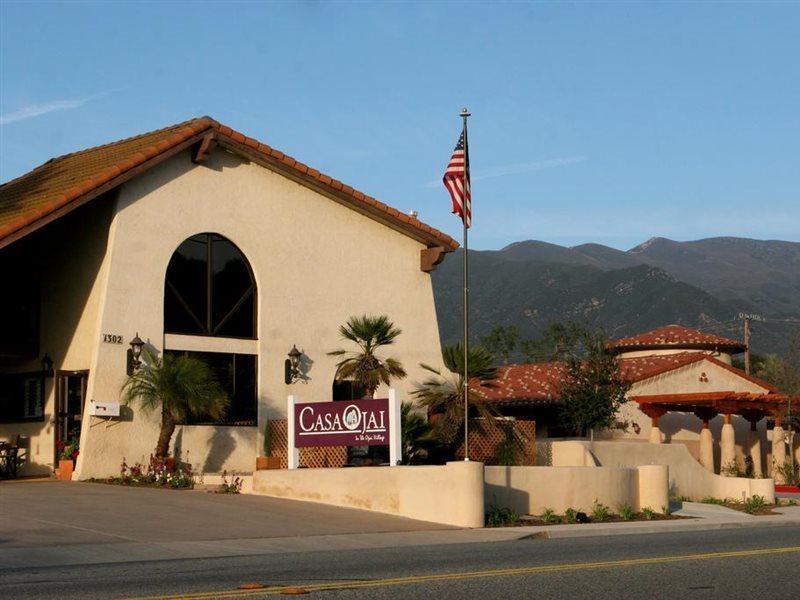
column 729, row 564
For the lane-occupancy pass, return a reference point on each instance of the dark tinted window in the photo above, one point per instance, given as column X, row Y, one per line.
column 236, row 374
column 209, row 289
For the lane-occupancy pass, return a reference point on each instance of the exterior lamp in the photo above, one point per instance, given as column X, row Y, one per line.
column 292, row 365
column 47, row 365
column 135, row 354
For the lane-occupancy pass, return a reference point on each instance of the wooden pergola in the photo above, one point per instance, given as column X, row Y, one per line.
column 752, row 406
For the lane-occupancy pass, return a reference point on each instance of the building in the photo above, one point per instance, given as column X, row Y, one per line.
column 197, row 239
column 684, row 389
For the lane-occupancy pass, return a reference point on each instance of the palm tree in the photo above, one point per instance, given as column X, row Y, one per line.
column 366, row 369
column 443, row 396
column 181, row 385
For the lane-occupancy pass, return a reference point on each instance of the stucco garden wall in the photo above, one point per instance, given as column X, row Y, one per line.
column 686, row 476
column 531, row 490
column 315, row 262
column 451, row 494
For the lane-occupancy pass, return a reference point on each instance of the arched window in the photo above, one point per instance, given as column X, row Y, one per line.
column 210, row 289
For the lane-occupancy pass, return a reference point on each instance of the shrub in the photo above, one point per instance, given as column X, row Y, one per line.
column 497, row 516
column 234, row 486
column 600, row 512
column 626, row 512
column 571, row 515
column 666, row 510
column 712, row 500
column 730, row 470
column 754, row 503
column 790, row 473
column 156, row 474
column 648, row 513
column 549, row 516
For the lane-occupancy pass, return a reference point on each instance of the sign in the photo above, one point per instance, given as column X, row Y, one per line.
column 342, row 423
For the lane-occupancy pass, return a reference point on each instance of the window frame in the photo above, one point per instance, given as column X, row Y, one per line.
column 208, row 330
column 42, row 376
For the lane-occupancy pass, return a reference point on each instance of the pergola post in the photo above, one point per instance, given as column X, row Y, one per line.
column 727, row 445
column 655, row 413
column 754, row 440
column 778, row 452
column 706, row 439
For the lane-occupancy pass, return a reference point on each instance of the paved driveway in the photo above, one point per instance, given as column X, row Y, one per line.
column 50, row 514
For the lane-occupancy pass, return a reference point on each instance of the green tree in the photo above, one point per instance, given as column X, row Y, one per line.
column 363, row 366
column 443, row 395
column 181, row 386
column 502, row 341
column 593, row 388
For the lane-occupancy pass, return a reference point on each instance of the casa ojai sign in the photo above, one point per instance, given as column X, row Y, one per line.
column 344, row 423
column 355, row 423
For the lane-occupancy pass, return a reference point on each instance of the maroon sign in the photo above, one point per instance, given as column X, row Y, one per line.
column 342, row 423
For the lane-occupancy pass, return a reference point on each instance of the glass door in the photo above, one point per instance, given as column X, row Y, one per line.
column 70, row 398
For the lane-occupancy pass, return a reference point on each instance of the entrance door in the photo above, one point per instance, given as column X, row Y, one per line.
column 70, row 398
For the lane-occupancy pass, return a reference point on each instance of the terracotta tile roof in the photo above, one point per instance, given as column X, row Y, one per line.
column 677, row 336
column 62, row 183
column 539, row 383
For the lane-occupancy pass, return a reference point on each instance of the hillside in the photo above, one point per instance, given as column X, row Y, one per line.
column 529, row 284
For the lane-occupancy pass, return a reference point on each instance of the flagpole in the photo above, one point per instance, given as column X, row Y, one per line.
column 465, row 114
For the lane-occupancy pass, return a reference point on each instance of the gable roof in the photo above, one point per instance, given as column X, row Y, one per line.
column 64, row 183
column 677, row 336
column 539, row 383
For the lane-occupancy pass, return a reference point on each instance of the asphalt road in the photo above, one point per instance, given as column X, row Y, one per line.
column 729, row 564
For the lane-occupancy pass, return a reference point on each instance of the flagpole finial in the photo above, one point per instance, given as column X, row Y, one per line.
column 465, row 112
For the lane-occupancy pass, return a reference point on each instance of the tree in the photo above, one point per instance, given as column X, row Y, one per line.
column 784, row 373
column 363, row 366
column 593, row 389
column 443, row 395
column 502, row 341
column 182, row 386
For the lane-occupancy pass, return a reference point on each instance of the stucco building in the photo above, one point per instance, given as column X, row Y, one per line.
column 201, row 240
column 684, row 389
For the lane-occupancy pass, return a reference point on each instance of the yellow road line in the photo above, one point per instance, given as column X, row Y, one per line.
column 339, row 585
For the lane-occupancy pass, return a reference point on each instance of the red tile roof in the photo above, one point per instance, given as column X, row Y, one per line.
column 539, row 383
column 63, row 183
column 677, row 336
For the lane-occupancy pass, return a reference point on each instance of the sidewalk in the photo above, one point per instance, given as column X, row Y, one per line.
column 705, row 518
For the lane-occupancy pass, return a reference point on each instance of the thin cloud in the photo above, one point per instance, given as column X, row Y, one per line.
column 36, row 110
column 516, row 168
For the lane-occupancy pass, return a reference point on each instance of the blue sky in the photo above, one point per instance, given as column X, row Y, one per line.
column 606, row 122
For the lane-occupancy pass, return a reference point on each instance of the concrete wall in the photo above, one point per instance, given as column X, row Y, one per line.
column 531, row 490
column 687, row 477
column 451, row 494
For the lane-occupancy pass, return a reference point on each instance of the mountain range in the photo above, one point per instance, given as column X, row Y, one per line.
column 703, row 284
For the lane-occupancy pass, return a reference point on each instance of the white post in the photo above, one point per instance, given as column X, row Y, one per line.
column 395, row 429
column 292, row 453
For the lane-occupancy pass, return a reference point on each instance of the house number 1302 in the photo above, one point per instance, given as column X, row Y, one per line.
column 110, row 338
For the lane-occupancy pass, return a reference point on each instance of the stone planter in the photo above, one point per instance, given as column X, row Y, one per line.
column 65, row 468
column 267, row 462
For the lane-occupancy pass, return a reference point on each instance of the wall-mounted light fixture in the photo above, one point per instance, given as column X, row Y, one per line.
column 292, row 365
column 47, row 365
column 135, row 354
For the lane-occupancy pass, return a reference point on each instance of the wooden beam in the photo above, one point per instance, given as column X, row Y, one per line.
column 202, row 152
column 430, row 257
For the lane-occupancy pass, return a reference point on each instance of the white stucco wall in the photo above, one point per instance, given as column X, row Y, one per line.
column 316, row 263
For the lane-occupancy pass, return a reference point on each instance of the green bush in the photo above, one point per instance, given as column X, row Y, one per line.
column 648, row 513
column 497, row 516
column 549, row 516
column 712, row 500
column 754, row 503
column 570, row 515
column 626, row 512
column 600, row 512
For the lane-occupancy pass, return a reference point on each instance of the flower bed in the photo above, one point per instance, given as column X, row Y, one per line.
column 159, row 473
column 505, row 517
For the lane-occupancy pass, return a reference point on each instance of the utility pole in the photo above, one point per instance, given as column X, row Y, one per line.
column 747, row 344
column 747, row 317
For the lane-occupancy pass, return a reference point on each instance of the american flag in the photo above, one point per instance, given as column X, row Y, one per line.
column 456, row 180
